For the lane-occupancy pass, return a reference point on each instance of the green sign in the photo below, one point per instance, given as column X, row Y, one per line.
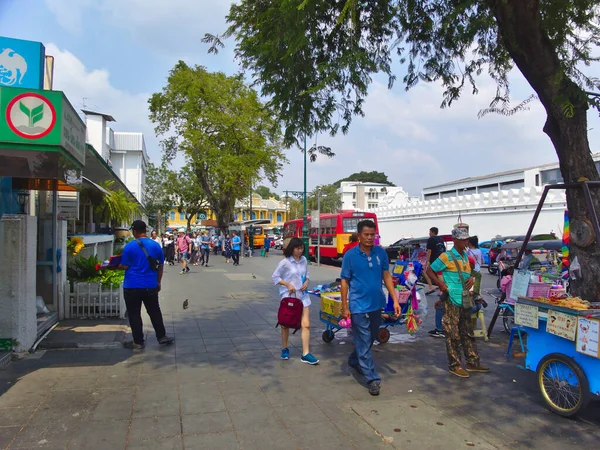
column 41, row 118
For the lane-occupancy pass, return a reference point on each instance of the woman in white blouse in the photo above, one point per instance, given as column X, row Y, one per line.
column 291, row 275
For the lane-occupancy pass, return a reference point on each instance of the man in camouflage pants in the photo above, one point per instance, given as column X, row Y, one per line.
column 457, row 323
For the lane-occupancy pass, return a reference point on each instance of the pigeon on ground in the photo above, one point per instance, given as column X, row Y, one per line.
column 253, row 276
column 186, row 304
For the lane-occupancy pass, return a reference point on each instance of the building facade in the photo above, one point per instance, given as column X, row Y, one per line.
column 272, row 209
column 361, row 196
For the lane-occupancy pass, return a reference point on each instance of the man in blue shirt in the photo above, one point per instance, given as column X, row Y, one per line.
column 142, row 285
column 235, row 248
column 364, row 267
column 204, row 248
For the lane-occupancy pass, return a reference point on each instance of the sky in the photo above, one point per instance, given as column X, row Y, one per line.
column 112, row 55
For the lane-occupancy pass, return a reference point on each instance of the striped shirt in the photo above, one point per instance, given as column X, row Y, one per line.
column 446, row 265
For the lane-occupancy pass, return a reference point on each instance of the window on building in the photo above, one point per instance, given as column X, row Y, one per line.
column 537, row 179
column 354, row 204
column 354, row 195
column 516, row 184
column 488, row 188
column 278, row 217
column 172, row 215
column 253, row 217
column 467, row 191
column 448, row 194
column 181, row 216
column 244, row 215
column 271, row 217
column 552, row 176
column 431, row 196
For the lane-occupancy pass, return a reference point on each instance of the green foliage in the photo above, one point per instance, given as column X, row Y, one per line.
column 266, row 193
column 116, row 205
column 157, row 194
column 231, row 140
column 330, row 199
column 186, row 193
column 85, row 270
column 366, row 177
column 315, row 59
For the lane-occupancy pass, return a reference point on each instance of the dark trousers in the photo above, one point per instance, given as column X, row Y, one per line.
column 235, row 255
column 204, row 255
column 133, row 300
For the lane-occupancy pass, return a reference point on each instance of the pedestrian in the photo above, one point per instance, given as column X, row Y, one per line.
column 435, row 247
column 456, row 279
column 204, row 248
column 214, row 243
column 235, row 248
column 142, row 285
column 267, row 246
column 170, row 246
column 292, row 277
column 475, row 252
column 364, row 267
column 227, row 248
column 195, row 255
column 155, row 238
column 184, row 247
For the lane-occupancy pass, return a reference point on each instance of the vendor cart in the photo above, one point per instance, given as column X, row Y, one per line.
column 562, row 348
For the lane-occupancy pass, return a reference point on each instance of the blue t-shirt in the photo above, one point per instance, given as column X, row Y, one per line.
column 235, row 242
column 365, row 275
column 205, row 241
column 140, row 275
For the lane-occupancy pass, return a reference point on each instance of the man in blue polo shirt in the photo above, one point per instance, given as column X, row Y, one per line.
column 364, row 267
column 142, row 285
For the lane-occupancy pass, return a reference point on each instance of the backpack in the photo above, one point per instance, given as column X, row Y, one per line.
column 290, row 313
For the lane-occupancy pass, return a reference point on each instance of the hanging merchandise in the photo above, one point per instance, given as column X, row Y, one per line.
column 565, row 248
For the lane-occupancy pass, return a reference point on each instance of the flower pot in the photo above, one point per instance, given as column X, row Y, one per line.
column 121, row 232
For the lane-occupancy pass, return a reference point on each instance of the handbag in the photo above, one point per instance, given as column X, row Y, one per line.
column 153, row 262
column 467, row 297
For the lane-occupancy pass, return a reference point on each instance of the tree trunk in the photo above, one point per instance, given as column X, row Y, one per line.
column 566, row 106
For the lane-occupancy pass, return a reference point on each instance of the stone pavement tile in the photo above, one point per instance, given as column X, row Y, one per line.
column 16, row 397
column 100, row 435
column 355, row 429
column 111, row 404
column 67, row 402
column 214, row 422
column 117, row 380
column 170, row 443
column 7, row 434
column 73, row 383
column 195, row 375
column 154, row 379
column 201, row 402
column 323, row 435
column 156, row 401
column 193, row 360
column 145, row 428
column 251, row 385
column 264, row 418
column 276, row 439
column 246, row 401
column 190, row 346
column 297, row 414
column 251, row 345
column 15, row 416
column 220, row 441
column 44, row 429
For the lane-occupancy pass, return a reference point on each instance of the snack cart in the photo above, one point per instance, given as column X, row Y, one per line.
column 562, row 348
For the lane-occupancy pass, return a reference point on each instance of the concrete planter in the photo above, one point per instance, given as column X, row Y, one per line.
column 93, row 301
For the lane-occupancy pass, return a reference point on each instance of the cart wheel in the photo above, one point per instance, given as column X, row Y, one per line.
column 383, row 335
column 563, row 384
column 327, row 335
column 508, row 319
column 491, row 269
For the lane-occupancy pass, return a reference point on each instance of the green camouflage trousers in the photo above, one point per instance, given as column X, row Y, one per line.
column 458, row 329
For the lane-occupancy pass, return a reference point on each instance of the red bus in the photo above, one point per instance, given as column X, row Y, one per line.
column 292, row 228
column 336, row 229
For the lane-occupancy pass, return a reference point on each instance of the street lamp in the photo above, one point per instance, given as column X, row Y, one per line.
column 305, row 222
column 319, row 226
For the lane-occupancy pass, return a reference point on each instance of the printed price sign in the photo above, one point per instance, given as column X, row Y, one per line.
column 562, row 325
column 526, row 315
column 587, row 336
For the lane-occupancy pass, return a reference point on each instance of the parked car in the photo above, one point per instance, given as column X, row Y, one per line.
column 485, row 247
column 393, row 251
column 409, row 245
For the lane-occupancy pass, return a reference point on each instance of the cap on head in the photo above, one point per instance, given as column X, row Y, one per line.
column 460, row 233
column 139, row 226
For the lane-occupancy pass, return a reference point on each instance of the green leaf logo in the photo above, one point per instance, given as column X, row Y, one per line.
column 34, row 115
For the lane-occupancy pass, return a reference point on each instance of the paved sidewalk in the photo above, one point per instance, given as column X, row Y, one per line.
column 222, row 385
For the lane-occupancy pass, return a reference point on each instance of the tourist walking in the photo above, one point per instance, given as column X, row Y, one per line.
column 292, row 277
column 454, row 281
column 184, row 247
column 236, row 242
column 364, row 267
column 143, row 262
column 170, row 249
column 204, row 248
column 227, row 248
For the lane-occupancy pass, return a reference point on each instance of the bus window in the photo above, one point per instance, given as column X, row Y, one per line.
column 350, row 225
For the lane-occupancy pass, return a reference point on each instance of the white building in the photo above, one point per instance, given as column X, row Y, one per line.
column 360, row 196
column 497, row 204
column 125, row 153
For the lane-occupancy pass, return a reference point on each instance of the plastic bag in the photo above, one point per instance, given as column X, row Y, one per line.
column 575, row 269
column 40, row 306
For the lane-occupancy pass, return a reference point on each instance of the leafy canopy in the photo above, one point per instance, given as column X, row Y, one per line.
column 266, row 193
column 231, row 140
column 314, row 59
column 366, row 177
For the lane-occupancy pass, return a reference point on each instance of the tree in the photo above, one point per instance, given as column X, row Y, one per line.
column 330, row 199
column 315, row 59
column 188, row 196
column 366, row 177
column 157, row 196
column 230, row 138
column 266, row 193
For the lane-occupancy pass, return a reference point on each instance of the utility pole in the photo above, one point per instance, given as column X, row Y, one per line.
column 305, row 222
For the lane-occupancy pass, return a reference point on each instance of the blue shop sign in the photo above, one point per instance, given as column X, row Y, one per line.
column 21, row 63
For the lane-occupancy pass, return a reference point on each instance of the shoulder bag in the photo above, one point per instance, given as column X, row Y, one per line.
column 467, row 297
column 154, row 263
